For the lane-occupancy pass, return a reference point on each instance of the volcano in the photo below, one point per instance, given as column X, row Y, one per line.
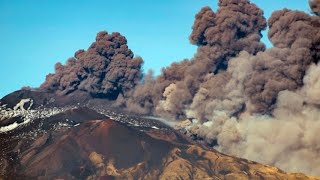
column 237, row 109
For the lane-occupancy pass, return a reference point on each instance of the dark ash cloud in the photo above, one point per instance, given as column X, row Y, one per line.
column 107, row 69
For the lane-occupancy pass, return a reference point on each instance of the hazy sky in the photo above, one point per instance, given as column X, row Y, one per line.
column 35, row 34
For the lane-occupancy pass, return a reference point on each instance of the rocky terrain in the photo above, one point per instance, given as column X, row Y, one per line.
column 47, row 141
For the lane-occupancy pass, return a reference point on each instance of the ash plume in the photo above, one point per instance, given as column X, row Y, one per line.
column 296, row 39
column 287, row 138
column 233, row 28
column 268, row 99
column 219, row 37
column 248, row 101
column 107, row 69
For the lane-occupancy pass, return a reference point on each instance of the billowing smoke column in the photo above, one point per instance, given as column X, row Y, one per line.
column 296, row 38
column 219, row 37
column 245, row 100
column 235, row 27
column 107, row 69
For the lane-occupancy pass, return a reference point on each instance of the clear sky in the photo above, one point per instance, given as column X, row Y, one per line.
column 35, row 34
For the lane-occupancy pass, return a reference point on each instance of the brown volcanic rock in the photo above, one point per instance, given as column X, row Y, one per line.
column 91, row 146
column 106, row 149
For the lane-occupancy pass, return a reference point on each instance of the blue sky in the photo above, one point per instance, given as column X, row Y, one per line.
column 35, row 34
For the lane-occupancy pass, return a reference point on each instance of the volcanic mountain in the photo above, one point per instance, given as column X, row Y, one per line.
column 98, row 116
column 82, row 142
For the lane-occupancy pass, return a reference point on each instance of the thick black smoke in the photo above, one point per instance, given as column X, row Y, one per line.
column 296, row 38
column 108, row 68
column 236, row 26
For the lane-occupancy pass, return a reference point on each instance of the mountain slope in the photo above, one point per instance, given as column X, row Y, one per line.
column 79, row 143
